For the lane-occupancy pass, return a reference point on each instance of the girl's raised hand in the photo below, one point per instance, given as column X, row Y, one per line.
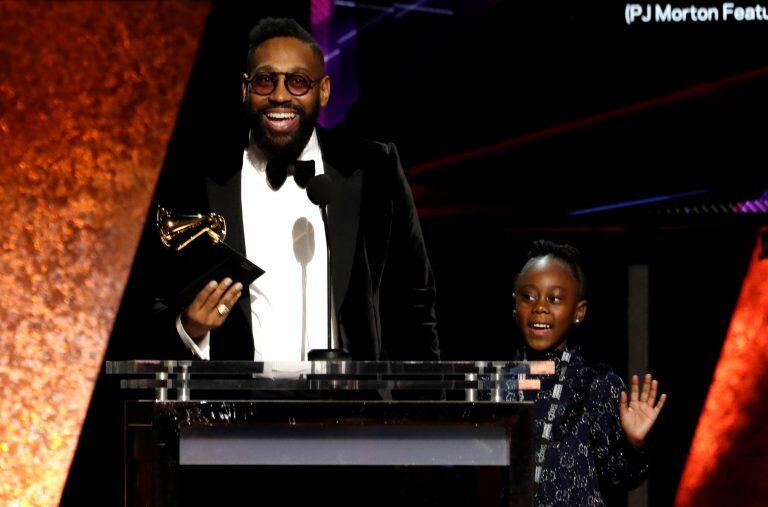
column 641, row 410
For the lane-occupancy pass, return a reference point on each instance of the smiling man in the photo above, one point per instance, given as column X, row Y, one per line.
column 382, row 281
column 284, row 90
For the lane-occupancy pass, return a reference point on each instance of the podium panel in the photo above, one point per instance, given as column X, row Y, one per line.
column 412, row 452
column 328, row 433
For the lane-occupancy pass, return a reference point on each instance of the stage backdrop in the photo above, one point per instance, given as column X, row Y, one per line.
column 89, row 93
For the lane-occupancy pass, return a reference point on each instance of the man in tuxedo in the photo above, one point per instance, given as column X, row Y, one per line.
column 383, row 286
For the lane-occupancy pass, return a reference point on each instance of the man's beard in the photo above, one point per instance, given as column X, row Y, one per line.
column 287, row 146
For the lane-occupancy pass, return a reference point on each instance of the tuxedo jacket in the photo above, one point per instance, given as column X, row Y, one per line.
column 384, row 291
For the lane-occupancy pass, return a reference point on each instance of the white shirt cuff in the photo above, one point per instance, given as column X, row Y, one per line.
column 201, row 348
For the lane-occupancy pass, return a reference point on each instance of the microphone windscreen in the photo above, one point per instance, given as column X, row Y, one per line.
column 319, row 190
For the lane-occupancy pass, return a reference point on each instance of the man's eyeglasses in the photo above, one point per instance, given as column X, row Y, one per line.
column 264, row 83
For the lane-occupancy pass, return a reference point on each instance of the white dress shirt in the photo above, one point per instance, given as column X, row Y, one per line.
column 284, row 235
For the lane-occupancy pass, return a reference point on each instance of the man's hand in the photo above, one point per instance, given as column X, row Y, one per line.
column 206, row 311
column 639, row 412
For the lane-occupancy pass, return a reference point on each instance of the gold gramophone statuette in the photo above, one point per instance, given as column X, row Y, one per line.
column 178, row 231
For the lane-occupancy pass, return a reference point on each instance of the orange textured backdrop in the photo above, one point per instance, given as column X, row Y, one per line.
column 729, row 455
column 89, row 93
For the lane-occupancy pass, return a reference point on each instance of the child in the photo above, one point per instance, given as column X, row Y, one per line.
column 588, row 434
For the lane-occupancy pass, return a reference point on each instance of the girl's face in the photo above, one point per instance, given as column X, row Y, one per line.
column 547, row 303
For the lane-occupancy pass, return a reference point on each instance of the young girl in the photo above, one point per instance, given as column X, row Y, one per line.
column 589, row 433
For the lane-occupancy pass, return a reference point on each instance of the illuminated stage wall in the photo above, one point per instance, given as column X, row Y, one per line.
column 726, row 465
column 89, row 93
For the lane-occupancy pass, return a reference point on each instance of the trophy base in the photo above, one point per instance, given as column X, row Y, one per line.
column 213, row 262
column 329, row 355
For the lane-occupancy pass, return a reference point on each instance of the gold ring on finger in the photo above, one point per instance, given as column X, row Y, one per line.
column 222, row 309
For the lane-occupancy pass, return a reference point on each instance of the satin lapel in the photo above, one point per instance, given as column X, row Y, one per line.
column 343, row 224
column 225, row 199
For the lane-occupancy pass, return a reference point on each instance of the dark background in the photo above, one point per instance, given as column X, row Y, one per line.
column 593, row 113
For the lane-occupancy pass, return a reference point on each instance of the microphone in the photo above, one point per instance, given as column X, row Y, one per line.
column 320, row 193
column 319, row 190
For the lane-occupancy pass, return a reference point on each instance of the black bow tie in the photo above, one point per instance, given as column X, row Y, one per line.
column 279, row 170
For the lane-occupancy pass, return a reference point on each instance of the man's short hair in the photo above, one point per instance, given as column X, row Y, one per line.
column 269, row 28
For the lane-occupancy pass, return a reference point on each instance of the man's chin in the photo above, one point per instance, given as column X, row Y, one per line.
column 277, row 146
column 281, row 145
column 278, row 143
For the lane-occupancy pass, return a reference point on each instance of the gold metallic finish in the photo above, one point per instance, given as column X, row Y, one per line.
column 89, row 93
column 178, row 231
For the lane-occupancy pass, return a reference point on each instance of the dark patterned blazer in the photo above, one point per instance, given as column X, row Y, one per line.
column 587, row 455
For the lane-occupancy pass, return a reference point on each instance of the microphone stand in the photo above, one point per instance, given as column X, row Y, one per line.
column 331, row 353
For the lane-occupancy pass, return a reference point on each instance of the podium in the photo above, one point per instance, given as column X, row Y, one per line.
column 328, row 433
